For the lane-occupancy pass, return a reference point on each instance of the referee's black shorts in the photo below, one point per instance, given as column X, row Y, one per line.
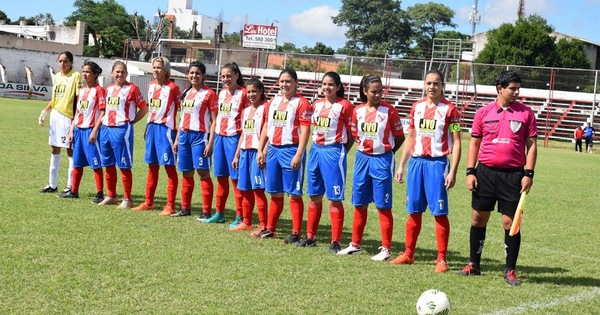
column 502, row 185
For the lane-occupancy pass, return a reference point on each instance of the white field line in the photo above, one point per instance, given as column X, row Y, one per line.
column 569, row 299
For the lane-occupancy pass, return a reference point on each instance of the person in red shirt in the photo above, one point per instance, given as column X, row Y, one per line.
column 433, row 134
column 377, row 129
column 500, row 166
column 578, row 135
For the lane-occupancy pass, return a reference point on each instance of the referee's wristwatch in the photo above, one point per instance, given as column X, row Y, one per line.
column 471, row 171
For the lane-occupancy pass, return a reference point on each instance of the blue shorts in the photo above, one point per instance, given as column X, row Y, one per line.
column 326, row 172
column 84, row 152
column 373, row 180
column 250, row 176
column 280, row 177
column 425, row 180
column 190, row 154
column 116, row 146
column 159, row 144
column 224, row 152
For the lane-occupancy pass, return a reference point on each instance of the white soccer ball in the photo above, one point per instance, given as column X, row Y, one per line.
column 433, row 302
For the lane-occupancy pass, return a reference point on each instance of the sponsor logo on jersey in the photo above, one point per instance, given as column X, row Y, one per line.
column 155, row 104
column 369, row 127
column 323, row 122
column 280, row 116
column 187, row 104
column 249, row 124
column 84, row 105
column 113, row 101
column 225, row 107
column 427, row 124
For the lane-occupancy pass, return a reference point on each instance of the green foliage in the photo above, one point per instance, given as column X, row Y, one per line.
column 299, row 65
column 572, row 54
column 319, row 49
column 233, row 39
column 427, row 19
column 4, row 17
column 344, row 68
column 287, row 47
column 377, row 27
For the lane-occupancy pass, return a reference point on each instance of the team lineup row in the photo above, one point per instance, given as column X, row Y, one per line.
column 260, row 146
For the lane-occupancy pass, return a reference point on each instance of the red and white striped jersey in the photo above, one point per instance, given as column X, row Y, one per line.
column 195, row 109
column 89, row 103
column 331, row 124
column 432, row 127
column 122, row 103
column 285, row 117
column 230, row 109
column 375, row 130
column 163, row 103
column 253, row 118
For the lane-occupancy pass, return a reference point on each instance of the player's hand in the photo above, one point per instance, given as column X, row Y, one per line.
column 208, row 151
column 175, row 147
column 472, row 182
column 399, row 175
column 234, row 163
column 526, row 183
column 92, row 138
column 296, row 162
column 260, row 160
column 450, row 180
column 42, row 117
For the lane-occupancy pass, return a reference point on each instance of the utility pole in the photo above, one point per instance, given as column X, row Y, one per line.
column 521, row 10
column 474, row 19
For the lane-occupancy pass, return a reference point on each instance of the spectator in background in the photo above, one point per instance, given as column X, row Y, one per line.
column 578, row 135
column 589, row 137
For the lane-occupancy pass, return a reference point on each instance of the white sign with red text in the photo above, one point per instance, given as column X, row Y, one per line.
column 259, row 36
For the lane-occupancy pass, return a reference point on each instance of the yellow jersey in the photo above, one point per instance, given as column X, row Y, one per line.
column 64, row 92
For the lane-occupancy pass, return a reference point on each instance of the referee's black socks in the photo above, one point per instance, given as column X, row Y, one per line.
column 477, row 239
column 512, row 245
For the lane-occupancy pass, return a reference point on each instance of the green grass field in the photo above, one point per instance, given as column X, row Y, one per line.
column 70, row 256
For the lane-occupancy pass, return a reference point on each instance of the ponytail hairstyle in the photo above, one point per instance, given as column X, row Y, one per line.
column 235, row 69
column 258, row 83
column 198, row 64
column 337, row 80
column 364, row 84
column 94, row 67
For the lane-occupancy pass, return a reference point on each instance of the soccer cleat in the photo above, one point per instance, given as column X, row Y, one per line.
column 109, row 201
column 350, row 250
column 241, row 227
column 402, row 259
column 469, row 270
column 203, row 216
column 235, row 222
column 182, row 213
column 217, row 217
column 256, row 233
column 266, row 234
column 143, row 207
column 384, row 254
column 334, row 247
column 293, row 238
column 69, row 194
column 98, row 198
column 167, row 211
column 306, row 242
column 511, row 278
column 48, row 189
column 66, row 189
column 125, row 204
column 440, row 266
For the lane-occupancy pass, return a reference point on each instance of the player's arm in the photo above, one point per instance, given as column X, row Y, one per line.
column 262, row 146
column 472, row 154
column 208, row 151
column 175, row 146
column 531, row 158
column 302, row 143
column 408, row 144
column 142, row 111
column 456, row 147
column 44, row 113
column 94, row 134
column 238, row 151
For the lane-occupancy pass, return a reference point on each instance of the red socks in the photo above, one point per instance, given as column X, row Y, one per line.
column 76, row 177
column 336, row 213
column 297, row 210
column 238, row 196
column 358, row 225
column 386, row 224
column 187, row 189
column 275, row 210
column 222, row 193
column 127, row 179
column 413, row 228
column 172, row 183
column 151, row 183
column 111, row 181
column 442, row 233
column 312, row 221
column 207, row 194
column 261, row 207
column 247, row 206
column 98, row 178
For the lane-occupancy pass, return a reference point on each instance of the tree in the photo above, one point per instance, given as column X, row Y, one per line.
column 107, row 22
column 572, row 54
column 427, row 20
column 4, row 17
column 287, row 47
column 146, row 35
column 319, row 49
column 233, row 39
column 376, row 26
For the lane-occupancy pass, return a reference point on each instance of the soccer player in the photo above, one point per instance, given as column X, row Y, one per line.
column 228, row 128
column 589, row 132
column 251, row 177
column 163, row 95
column 433, row 134
column 65, row 86
column 378, row 132
column 83, row 134
column 332, row 139
column 194, row 141
column 287, row 130
column 500, row 166
column 125, row 106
